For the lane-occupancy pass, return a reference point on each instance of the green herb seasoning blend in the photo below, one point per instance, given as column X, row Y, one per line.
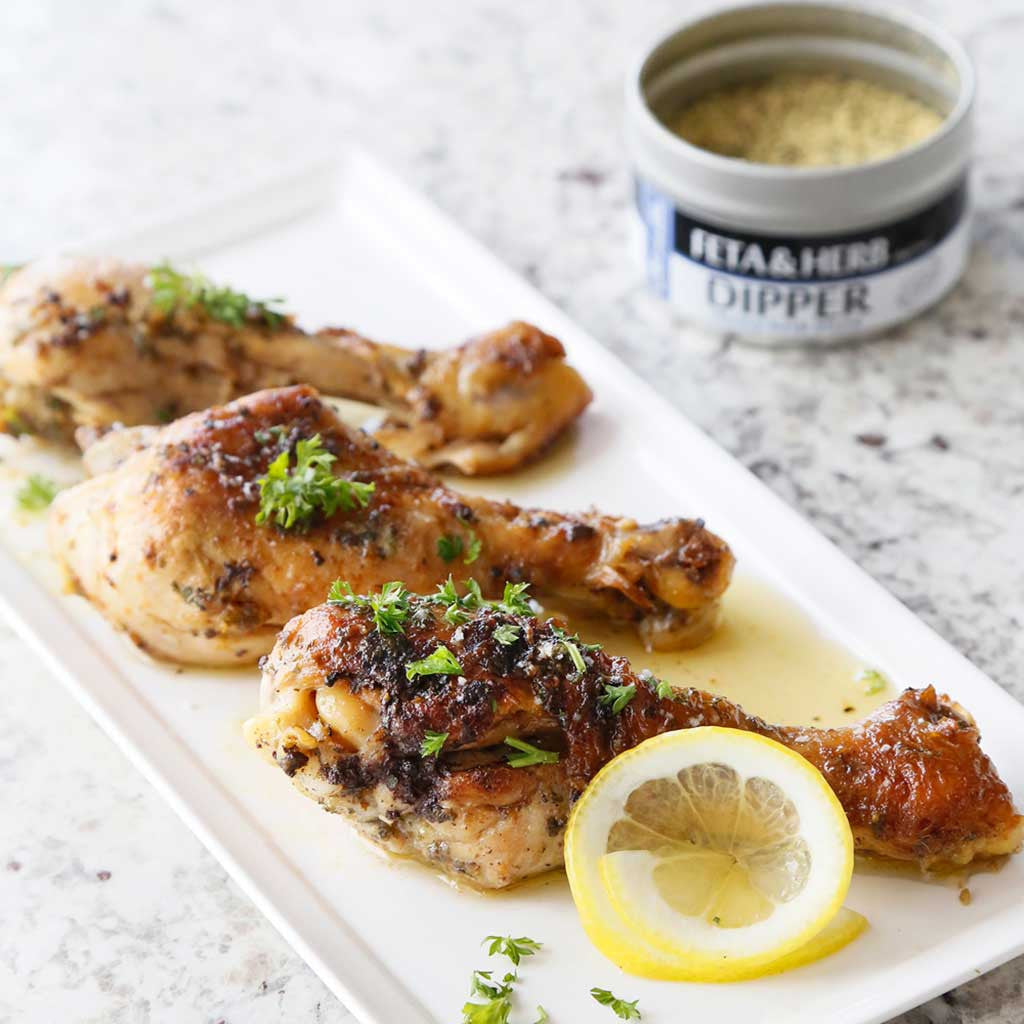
column 800, row 169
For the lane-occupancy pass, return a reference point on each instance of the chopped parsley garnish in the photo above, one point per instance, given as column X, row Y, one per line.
column 515, row 600
column 36, row 493
column 449, row 547
column 274, row 433
column 173, row 289
column 873, row 680
column 528, row 754
column 574, row 646
column 497, row 994
column 441, row 663
column 432, row 743
column 458, row 608
column 574, row 656
column 622, row 1009
column 514, row 949
column 292, row 497
column 390, row 608
column 617, row 696
column 473, row 549
column 665, row 690
column 506, row 635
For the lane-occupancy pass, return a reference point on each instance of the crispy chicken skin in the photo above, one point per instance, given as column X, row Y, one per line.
column 82, row 344
column 340, row 717
column 167, row 546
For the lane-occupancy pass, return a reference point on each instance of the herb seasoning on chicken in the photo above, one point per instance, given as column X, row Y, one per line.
column 343, row 717
column 186, row 504
column 87, row 344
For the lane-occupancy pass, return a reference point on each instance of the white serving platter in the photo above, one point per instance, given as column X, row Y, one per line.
column 396, row 944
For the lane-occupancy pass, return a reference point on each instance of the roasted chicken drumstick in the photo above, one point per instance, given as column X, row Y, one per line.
column 167, row 544
column 93, row 343
column 345, row 717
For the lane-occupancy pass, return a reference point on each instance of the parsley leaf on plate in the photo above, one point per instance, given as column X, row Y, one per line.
column 514, row 949
column 622, row 1009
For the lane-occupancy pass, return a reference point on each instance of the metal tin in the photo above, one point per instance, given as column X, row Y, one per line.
column 800, row 254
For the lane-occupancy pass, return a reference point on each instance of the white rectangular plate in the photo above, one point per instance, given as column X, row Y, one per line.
column 391, row 940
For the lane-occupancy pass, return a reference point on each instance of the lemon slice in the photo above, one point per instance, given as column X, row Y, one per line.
column 711, row 854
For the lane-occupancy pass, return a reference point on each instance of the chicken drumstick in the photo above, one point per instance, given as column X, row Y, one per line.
column 341, row 715
column 167, row 544
column 93, row 343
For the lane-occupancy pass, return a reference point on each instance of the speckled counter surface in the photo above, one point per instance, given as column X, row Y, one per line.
column 908, row 452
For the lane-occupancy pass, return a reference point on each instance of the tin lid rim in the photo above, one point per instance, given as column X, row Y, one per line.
column 738, row 188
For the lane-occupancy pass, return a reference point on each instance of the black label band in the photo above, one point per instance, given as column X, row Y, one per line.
column 812, row 258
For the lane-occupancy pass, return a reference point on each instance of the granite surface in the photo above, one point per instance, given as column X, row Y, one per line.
column 908, row 452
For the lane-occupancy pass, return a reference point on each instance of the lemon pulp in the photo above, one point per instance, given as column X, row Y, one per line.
column 728, row 849
column 711, row 854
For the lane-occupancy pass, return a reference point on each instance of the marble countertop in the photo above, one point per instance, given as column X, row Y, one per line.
column 908, row 452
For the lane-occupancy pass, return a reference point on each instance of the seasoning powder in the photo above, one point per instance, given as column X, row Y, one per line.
column 807, row 119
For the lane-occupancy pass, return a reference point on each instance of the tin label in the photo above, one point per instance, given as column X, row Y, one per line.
column 781, row 286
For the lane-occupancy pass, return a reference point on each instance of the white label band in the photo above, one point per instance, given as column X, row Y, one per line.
column 791, row 288
column 856, row 305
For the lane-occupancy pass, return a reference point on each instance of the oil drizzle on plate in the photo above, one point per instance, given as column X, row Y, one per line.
column 767, row 655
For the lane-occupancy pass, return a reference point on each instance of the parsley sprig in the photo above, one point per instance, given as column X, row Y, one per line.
column 622, row 1009
column 514, row 949
column 528, row 754
column 174, row 290
column 293, row 496
column 390, row 608
column 441, row 663
column 451, row 546
column 574, row 648
column 873, row 680
column 617, row 697
column 36, row 493
column 514, row 600
column 507, row 634
column 498, row 996
column 460, row 607
column 432, row 743
column 394, row 604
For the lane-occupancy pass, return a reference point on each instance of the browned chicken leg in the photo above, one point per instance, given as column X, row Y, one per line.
column 93, row 343
column 167, row 544
column 341, row 715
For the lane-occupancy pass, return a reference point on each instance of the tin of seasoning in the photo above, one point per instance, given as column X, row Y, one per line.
column 836, row 238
